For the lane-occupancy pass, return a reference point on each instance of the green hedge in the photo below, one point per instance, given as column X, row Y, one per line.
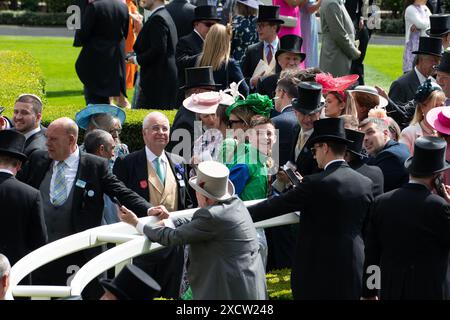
column 28, row 18
column 131, row 130
column 393, row 26
column 19, row 73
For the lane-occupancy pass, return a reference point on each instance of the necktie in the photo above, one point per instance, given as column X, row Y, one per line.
column 59, row 195
column 300, row 143
column 269, row 54
column 159, row 170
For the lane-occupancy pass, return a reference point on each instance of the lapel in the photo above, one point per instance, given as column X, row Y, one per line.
column 197, row 41
column 78, row 192
column 141, row 175
column 414, row 82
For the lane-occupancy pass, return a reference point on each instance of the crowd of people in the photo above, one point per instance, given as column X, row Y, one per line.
column 259, row 117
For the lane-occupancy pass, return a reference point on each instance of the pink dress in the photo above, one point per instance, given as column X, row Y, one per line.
column 286, row 10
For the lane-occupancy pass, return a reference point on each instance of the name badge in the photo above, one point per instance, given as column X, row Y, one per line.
column 81, row 184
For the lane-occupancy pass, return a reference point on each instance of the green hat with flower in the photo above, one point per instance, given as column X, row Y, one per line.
column 260, row 104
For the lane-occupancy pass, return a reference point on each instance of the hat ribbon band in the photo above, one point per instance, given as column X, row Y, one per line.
column 444, row 119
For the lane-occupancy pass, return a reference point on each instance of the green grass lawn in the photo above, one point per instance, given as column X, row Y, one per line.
column 57, row 58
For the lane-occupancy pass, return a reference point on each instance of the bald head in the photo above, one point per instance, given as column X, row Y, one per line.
column 62, row 136
column 155, row 132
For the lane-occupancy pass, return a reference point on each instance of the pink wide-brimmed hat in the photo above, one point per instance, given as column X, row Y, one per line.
column 207, row 102
column 439, row 119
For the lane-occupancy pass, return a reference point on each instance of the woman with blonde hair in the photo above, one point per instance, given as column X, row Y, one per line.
column 216, row 53
column 429, row 95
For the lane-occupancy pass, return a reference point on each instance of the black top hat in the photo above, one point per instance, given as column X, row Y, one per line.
column 356, row 146
column 205, row 13
column 328, row 129
column 269, row 13
column 199, row 77
column 12, row 144
column 440, row 25
column 429, row 157
column 309, row 98
column 291, row 43
column 132, row 284
column 430, row 45
column 444, row 65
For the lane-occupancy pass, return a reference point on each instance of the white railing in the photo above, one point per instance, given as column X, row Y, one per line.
column 129, row 244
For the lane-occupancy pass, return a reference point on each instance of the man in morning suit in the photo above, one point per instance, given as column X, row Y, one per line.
column 101, row 63
column 224, row 259
column 334, row 203
column 155, row 53
column 160, row 178
column 307, row 108
column 409, row 231
column 27, row 120
column 72, row 184
column 385, row 153
column 427, row 56
column 268, row 25
column 189, row 46
column 22, row 216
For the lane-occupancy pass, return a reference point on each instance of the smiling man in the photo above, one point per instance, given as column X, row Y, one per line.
column 387, row 154
column 27, row 120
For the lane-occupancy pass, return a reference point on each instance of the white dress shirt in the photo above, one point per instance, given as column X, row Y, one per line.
column 29, row 134
column 421, row 77
column 333, row 161
column 274, row 44
column 151, row 156
column 70, row 172
column 7, row 171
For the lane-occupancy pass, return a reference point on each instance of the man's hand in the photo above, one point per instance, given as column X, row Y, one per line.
column 414, row 28
column 159, row 211
column 127, row 216
column 254, row 81
column 132, row 60
column 445, row 192
column 282, row 176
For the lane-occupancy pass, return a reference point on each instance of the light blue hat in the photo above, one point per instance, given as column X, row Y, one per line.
column 83, row 117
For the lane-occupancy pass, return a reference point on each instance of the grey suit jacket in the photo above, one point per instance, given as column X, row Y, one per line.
column 224, row 260
column 338, row 39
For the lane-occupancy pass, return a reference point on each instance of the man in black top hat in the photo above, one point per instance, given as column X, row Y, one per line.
column 354, row 157
column 428, row 55
column 199, row 79
column 408, row 236
column 440, row 28
column 307, row 108
column 268, row 25
column 24, row 228
column 288, row 56
column 443, row 75
column 333, row 205
column 192, row 44
column 132, row 283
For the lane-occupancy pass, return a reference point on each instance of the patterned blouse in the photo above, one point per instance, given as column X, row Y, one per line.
column 244, row 35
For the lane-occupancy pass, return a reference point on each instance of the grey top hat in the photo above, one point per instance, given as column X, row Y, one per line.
column 212, row 181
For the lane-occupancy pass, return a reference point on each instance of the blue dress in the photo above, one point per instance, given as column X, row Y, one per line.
column 244, row 35
column 310, row 36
